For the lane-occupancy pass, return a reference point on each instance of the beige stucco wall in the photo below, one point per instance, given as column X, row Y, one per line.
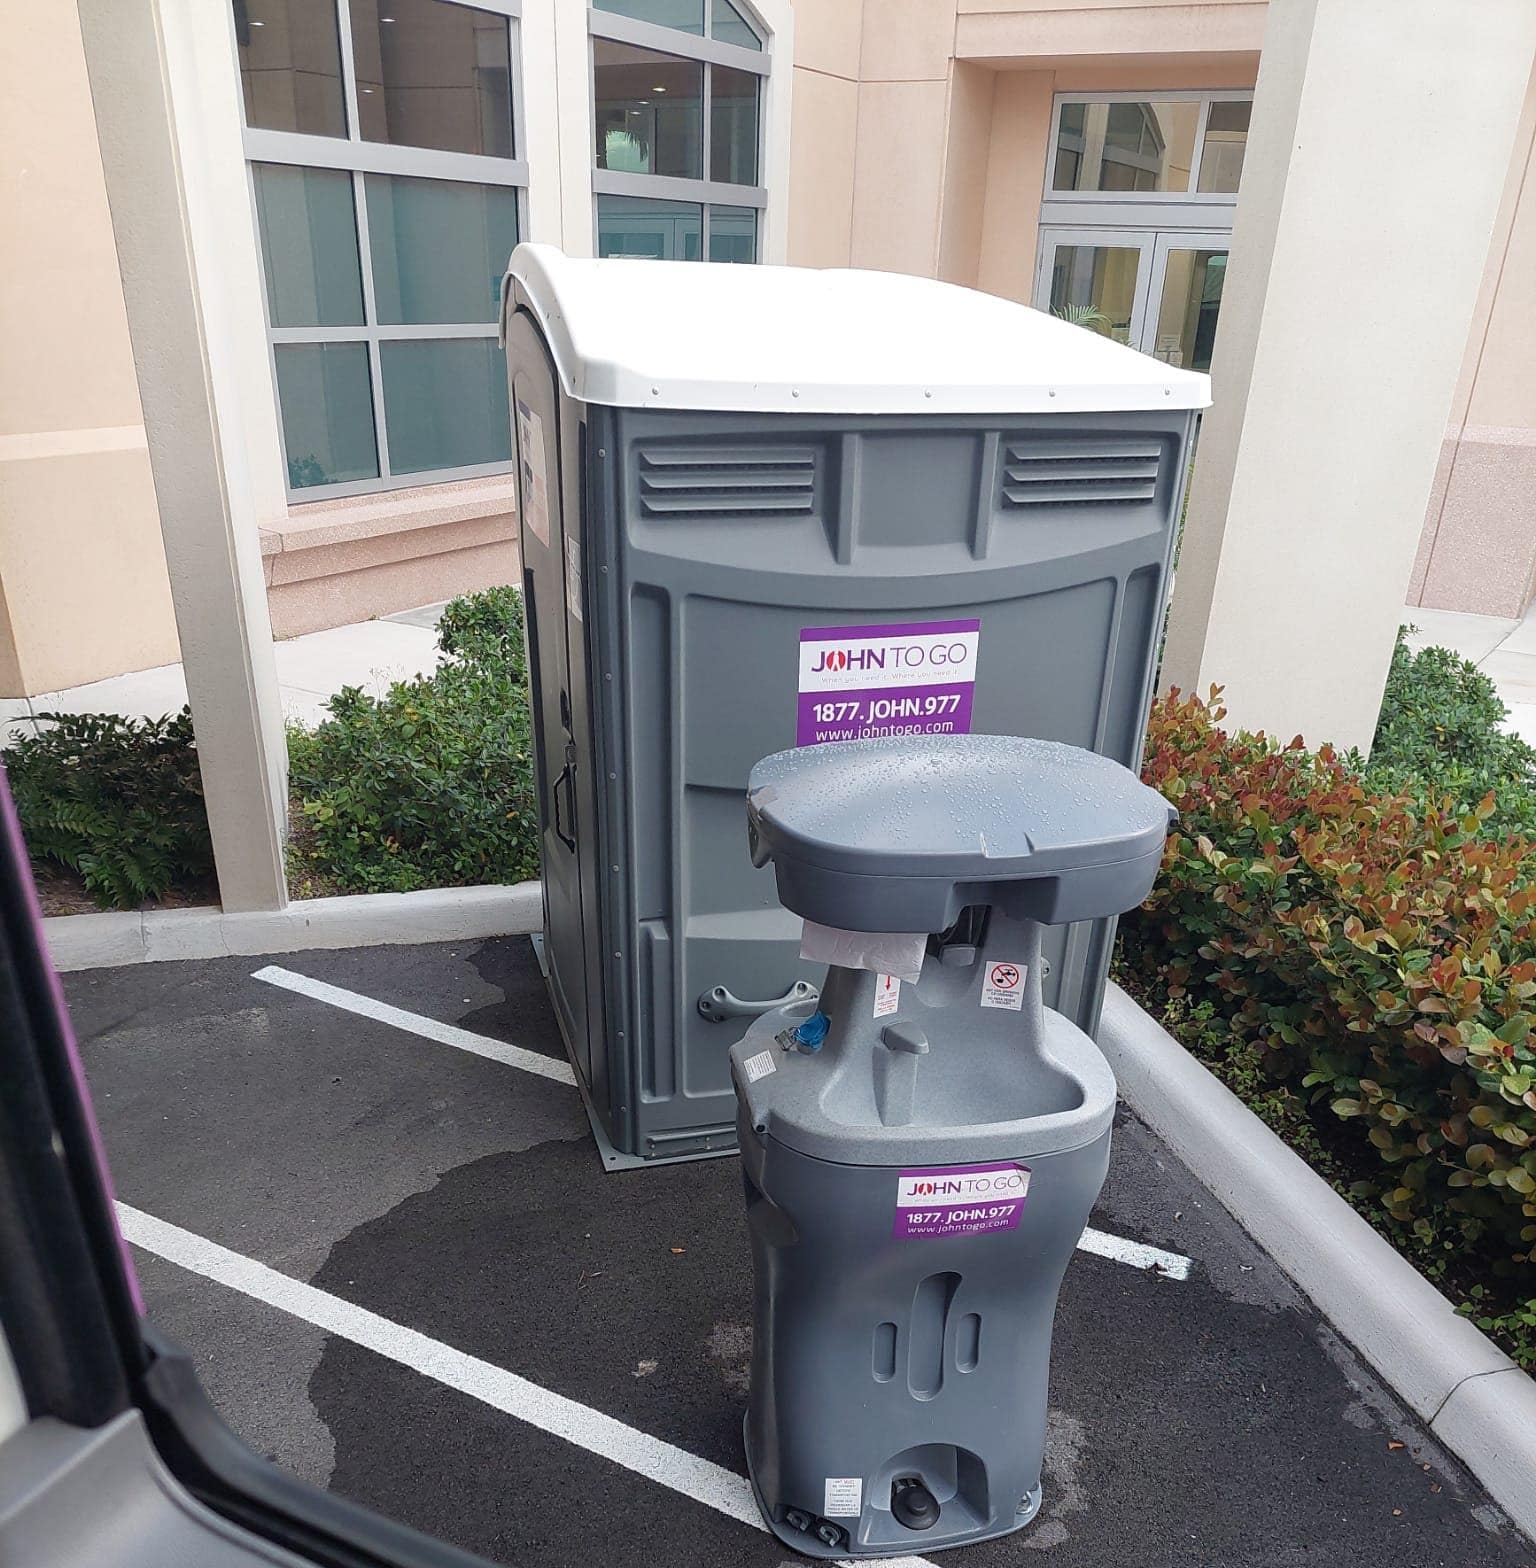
column 919, row 144
column 82, row 571
column 920, row 126
column 1478, row 549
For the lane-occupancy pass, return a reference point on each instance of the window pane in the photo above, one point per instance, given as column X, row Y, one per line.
column 290, row 66
column 308, row 246
column 445, row 404
column 439, row 248
column 1126, row 146
column 648, row 109
column 685, row 15
column 327, row 409
column 733, row 126
column 1226, row 140
column 732, row 234
column 728, row 25
column 662, row 230
column 1095, row 287
column 433, row 75
column 1186, row 315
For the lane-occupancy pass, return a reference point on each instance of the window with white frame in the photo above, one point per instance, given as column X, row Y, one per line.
column 382, row 143
column 1166, row 144
column 677, row 99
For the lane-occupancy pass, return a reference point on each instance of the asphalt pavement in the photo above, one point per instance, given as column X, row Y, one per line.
column 1213, row 1421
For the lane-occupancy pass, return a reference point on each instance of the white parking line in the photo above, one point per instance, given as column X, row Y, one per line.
column 414, row 1023
column 651, row 1457
column 1134, row 1253
column 1140, row 1256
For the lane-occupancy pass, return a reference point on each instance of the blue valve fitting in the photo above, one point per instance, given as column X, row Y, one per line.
column 810, row 1035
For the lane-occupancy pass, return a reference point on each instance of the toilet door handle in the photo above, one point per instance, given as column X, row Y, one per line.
column 565, row 785
column 719, row 1002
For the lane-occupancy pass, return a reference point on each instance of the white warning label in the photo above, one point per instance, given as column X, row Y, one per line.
column 844, row 1497
column 887, row 995
column 530, row 457
column 758, row 1066
column 1003, row 986
column 573, row 577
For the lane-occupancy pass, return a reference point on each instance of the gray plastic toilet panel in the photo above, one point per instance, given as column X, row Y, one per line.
column 692, row 626
column 557, row 692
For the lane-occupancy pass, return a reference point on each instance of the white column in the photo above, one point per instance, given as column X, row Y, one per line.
column 167, row 101
column 1382, row 131
column 543, row 82
column 778, row 96
column 574, row 128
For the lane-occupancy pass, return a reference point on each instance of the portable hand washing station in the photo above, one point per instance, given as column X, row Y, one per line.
column 920, row 1159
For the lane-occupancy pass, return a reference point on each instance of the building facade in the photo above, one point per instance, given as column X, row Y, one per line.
column 1083, row 157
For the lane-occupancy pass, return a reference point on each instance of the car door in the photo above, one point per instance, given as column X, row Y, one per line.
column 111, row 1455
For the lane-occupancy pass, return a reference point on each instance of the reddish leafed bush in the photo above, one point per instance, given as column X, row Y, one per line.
column 1381, row 955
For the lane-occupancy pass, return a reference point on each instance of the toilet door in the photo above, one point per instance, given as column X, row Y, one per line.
column 536, row 411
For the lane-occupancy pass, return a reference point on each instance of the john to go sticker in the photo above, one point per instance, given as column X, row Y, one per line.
column 912, row 678
column 959, row 1200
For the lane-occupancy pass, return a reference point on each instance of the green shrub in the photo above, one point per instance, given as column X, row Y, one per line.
column 430, row 785
column 120, row 801
column 485, row 629
column 1439, row 737
column 1378, row 955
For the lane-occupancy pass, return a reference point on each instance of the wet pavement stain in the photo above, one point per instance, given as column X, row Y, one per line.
column 1189, row 1428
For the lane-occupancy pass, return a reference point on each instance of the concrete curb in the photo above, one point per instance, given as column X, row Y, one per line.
column 449, row 914
column 1474, row 1398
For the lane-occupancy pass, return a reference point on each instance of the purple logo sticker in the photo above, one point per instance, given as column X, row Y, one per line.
column 960, row 1200
column 857, row 682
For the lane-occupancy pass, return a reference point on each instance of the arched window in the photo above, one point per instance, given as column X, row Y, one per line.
column 677, row 94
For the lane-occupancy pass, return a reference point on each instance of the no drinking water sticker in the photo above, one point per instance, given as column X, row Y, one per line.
column 915, row 678
column 960, row 1200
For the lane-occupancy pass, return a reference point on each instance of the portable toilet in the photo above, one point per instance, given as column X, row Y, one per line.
column 762, row 507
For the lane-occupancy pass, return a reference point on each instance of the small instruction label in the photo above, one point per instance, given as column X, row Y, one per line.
column 959, row 1200
column 573, row 577
column 759, row 1066
column 887, row 995
column 915, row 678
column 1003, row 986
column 530, row 460
column 843, row 1497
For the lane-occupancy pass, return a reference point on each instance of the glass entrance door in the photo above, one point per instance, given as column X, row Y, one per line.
column 1157, row 292
column 1097, row 279
column 1188, row 271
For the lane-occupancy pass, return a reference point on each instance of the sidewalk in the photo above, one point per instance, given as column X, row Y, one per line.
column 310, row 670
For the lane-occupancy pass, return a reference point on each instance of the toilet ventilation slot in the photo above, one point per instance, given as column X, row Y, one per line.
column 1053, row 473
column 709, row 481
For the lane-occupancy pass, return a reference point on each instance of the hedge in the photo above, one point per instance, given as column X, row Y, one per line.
column 1379, row 954
column 430, row 785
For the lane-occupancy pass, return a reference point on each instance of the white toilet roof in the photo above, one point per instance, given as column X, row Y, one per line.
column 688, row 335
